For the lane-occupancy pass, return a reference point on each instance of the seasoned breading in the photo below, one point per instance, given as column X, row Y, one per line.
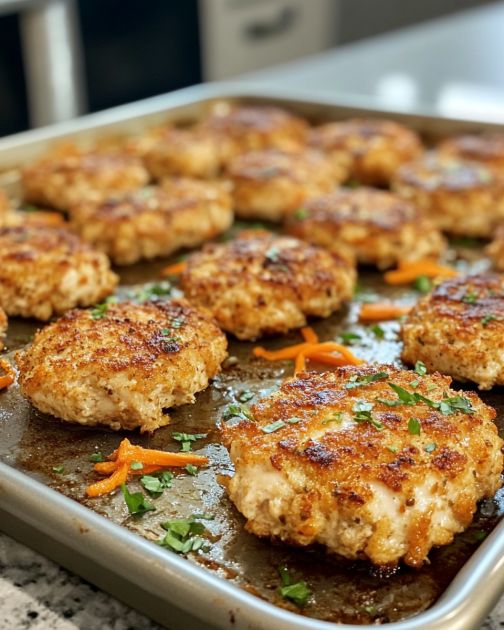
column 60, row 180
column 370, row 150
column 496, row 248
column 242, row 128
column 461, row 197
column 373, row 226
column 3, row 327
column 121, row 365
column 270, row 184
column 488, row 149
column 186, row 152
column 323, row 460
column 45, row 271
column 458, row 328
column 40, row 218
column 155, row 221
column 265, row 284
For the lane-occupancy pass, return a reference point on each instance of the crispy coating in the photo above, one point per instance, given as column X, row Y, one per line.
column 40, row 218
column 370, row 150
column 488, row 149
column 461, row 197
column 45, row 271
column 265, row 284
column 124, row 369
column 385, row 494
column 185, row 152
column 496, row 248
column 270, row 184
column 243, row 128
column 5, row 205
column 458, row 330
column 373, row 226
column 155, row 221
column 3, row 327
column 62, row 180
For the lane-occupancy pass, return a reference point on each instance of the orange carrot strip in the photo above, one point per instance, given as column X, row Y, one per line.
column 409, row 271
column 380, row 311
column 309, row 335
column 341, row 360
column 329, row 359
column 105, row 467
column 7, row 378
column 300, row 364
column 290, row 352
column 174, row 270
column 164, row 458
column 331, row 346
column 110, row 483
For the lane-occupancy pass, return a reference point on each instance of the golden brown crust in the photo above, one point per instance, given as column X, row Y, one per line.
column 496, row 248
column 485, row 148
column 371, row 149
column 357, row 488
column 45, row 271
column 443, row 188
column 263, row 284
column 457, row 329
column 270, row 184
column 373, row 226
column 124, row 366
column 3, row 327
column 62, row 180
column 155, row 221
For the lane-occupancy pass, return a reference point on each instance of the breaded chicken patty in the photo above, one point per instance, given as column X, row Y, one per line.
column 459, row 330
column 496, row 248
column 5, row 205
column 60, row 181
column 3, row 327
column 365, row 461
column 270, row 184
column 155, row 221
column 242, row 128
column 186, row 152
column 40, row 218
column 370, row 150
column 45, row 271
column 375, row 227
column 488, row 149
column 265, row 284
column 461, row 197
column 121, row 365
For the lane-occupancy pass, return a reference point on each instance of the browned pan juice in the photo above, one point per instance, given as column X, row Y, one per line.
column 342, row 591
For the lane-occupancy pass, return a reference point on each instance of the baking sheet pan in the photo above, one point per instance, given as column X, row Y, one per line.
column 235, row 583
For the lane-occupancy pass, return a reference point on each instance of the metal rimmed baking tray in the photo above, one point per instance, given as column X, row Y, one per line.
column 235, row 584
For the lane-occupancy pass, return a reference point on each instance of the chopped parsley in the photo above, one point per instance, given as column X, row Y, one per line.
column 136, row 502
column 301, row 213
column 487, row 319
column 362, row 410
column 415, row 383
column 420, row 368
column 430, row 448
column 393, row 449
column 191, row 469
column 470, row 297
column 152, row 292
column 336, row 416
column 359, row 381
column 296, row 592
column 479, row 535
column 155, row 484
column 414, row 426
column 136, row 466
column 236, row 411
column 167, row 336
column 422, row 284
column 58, row 469
column 184, row 534
column 348, row 338
column 100, row 310
column 96, row 457
column 245, row 395
column 465, row 241
column 377, row 331
column 446, row 406
column 187, row 438
column 274, row 426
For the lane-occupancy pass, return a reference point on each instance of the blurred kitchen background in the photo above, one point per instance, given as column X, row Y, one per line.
column 61, row 58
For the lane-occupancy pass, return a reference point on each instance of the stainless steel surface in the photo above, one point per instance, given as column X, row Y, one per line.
column 134, row 565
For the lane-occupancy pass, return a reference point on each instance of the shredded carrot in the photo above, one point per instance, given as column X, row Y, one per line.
column 329, row 359
column 8, row 378
column 309, row 335
column 119, row 465
column 409, row 271
column 380, row 311
column 300, row 363
column 174, row 270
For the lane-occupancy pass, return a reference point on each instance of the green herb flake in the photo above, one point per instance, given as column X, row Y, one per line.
column 297, row 592
column 362, row 410
column 301, row 214
column 420, row 368
column 293, row 420
column 360, row 381
column 479, row 535
column 446, row 406
column 191, row 469
column 274, row 426
column 414, row 384
column 155, row 484
column 377, row 331
column 96, row 457
column 414, row 426
column 430, row 448
column 393, row 449
column 136, row 466
column 136, row 502
column 236, row 411
column 58, row 469
column 470, row 297
column 245, row 395
column 422, row 284
column 487, row 319
column 335, row 416
column 184, row 535
column 100, row 310
column 149, row 293
column 187, row 439
column 348, row 338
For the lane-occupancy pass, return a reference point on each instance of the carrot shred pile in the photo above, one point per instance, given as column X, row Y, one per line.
column 409, row 271
column 174, row 270
column 9, row 376
column 311, row 349
column 119, row 466
column 380, row 311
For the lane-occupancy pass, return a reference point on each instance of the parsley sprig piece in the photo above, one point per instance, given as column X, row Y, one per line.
column 186, row 439
column 156, row 484
column 297, row 592
column 236, row 411
column 151, row 292
column 96, row 457
column 420, row 368
column 362, row 410
column 487, row 319
column 136, row 502
column 414, row 426
column 184, row 534
column 447, row 406
column 348, row 338
column 359, row 381
column 377, row 331
column 470, row 297
column 422, row 284
column 100, row 310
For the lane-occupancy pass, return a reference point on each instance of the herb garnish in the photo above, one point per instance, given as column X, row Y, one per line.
column 393, row 449
column 136, row 466
column 377, row 331
column 429, row 448
column 446, row 406
column 336, row 416
column 359, row 381
column 155, row 484
column 274, row 426
column 422, row 284
column 187, row 438
column 362, row 410
column 480, row 535
column 348, row 338
column 136, row 502
column 297, row 592
column 100, row 310
column 191, row 469
column 301, row 213
column 184, row 535
column 245, row 395
column 414, row 426
column 420, row 368
column 236, row 411
column 152, row 292
column 487, row 319
column 58, row 469
column 96, row 457
column 470, row 297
